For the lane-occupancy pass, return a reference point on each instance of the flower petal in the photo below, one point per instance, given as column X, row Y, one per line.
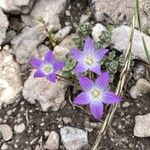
column 76, row 54
column 110, row 98
column 58, row 65
column 99, row 54
column 96, row 109
column 88, row 46
column 85, row 83
column 48, row 56
column 80, row 68
column 82, row 99
column 96, row 68
column 103, row 80
column 52, row 77
column 39, row 74
column 36, row 63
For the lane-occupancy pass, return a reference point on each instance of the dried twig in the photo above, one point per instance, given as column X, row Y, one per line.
column 120, row 86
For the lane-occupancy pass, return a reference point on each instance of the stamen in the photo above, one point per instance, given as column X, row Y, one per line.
column 95, row 93
column 89, row 60
column 47, row 68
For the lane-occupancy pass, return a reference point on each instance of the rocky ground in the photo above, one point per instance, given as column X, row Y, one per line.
column 38, row 115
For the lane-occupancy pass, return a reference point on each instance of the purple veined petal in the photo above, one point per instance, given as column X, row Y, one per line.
column 80, row 68
column 76, row 54
column 52, row 77
column 99, row 54
column 48, row 57
column 96, row 68
column 102, row 81
column 36, row 63
column 85, row 83
column 88, row 46
column 39, row 74
column 110, row 98
column 96, row 109
column 58, row 65
column 82, row 99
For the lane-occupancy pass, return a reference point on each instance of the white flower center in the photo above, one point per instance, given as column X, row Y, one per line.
column 89, row 60
column 47, row 68
column 96, row 94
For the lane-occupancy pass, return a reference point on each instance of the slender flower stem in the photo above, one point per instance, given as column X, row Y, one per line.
column 120, row 86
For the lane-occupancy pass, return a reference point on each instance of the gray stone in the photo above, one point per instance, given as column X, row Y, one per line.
column 120, row 39
column 6, row 132
column 4, row 146
column 48, row 94
column 3, row 26
column 141, row 128
column 61, row 52
column 120, row 11
column 97, row 31
column 73, row 138
column 61, row 34
column 9, row 36
column 142, row 86
column 16, row 6
column 25, row 44
column 125, row 104
column 10, row 78
column 42, row 49
column 49, row 10
column 68, row 42
column 52, row 142
column 19, row 128
column 84, row 18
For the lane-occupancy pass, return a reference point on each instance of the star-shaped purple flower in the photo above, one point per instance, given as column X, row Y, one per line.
column 46, row 67
column 89, row 58
column 95, row 94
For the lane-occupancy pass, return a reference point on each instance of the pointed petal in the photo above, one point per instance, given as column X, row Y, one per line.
column 103, row 80
column 88, row 46
column 82, row 99
column 58, row 65
column 38, row 74
column 96, row 109
column 96, row 68
column 76, row 54
column 80, row 68
column 52, row 77
column 36, row 63
column 85, row 83
column 110, row 98
column 48, row 56
column 99, row 54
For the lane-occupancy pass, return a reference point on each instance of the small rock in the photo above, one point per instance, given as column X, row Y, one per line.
column 73, row 138
column 61, row 34
column 142, row 86
column 125, row 105
column 4, row 146
column 42, row 49
column 19, row 128
column 66, row 120
column 139, row 71
column 84, row 18
column 3, row 26
column 61, row 52
column 25, row 44
column 48, row 94
column 17, row 7
column 97, row 31
column 68, row 42
column 9, row 36
column 120, row 40
column 52, row 142
column 6, row 132
column 141, row 128
column 47, row 10
column 10, row 78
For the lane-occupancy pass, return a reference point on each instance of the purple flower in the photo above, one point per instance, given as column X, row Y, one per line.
column 46, row 67
column 89, row 58
column 95, row 94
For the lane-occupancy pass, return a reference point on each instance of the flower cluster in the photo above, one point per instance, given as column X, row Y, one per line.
column 95, row 92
